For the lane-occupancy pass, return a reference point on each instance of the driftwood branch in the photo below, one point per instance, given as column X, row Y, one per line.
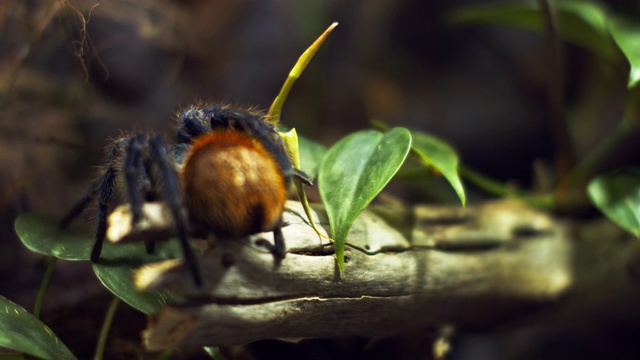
column 408, row 269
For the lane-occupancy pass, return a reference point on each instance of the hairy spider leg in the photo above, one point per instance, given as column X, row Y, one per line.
column 105, row 187
column 279, row 249
column 265, row 132
column 302, row 176
column 170, row 190
column 112, row 155
column 257, row 128
column 131, row 167
column 192, row 125
column 78, row 208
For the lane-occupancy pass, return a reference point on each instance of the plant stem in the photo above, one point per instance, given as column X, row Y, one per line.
column 46, row 279
column 483, row 182
column 106, row 326
column 555, row 83
column 627, row 125
column 494, row 187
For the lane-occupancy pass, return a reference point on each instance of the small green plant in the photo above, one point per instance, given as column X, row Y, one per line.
column 352, row 172
column 615, row 40
column 42, row 234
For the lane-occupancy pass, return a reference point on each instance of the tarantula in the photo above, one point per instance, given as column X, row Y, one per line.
column 228, row 168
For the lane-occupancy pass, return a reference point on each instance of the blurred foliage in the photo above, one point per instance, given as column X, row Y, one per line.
column 73, row 74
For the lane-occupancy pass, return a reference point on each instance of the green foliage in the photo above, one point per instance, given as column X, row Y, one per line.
column 442, row 157
column 117, row 263
column 613, row 37
column 350, row 175
column 627, row 35
column 353, row 172
column 42, row 235
column 311, row 155
column 23, row 332
column 588, row 24
column 581, row 23
column 617, row 195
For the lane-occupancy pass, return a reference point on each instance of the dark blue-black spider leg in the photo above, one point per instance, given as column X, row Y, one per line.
column 113, row 154
column 78, row 208
column 302, row 176
column 279, row 250
column 191, row 126
column 131, row 169
column 170, row 190
column 105, row 187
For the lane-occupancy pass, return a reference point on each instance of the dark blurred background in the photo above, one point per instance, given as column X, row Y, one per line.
column 482, row 88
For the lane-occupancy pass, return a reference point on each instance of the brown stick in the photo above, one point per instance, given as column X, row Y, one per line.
column 476, row 266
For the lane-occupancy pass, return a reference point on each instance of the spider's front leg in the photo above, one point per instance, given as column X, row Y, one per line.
column 104, row 189
column 167, row 180
column 279, row 249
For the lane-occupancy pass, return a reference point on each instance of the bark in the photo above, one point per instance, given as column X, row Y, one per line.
column 408, row 270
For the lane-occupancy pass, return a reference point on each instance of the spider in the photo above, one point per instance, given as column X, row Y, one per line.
column 228, row 168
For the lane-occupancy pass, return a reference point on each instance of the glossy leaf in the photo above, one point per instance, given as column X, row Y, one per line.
column 23, row 332
column 627, row 36
column 617, row 195
column 353, row 172
column 441, row 156
column 117, row 262
column 580, row 22
column 41, row 234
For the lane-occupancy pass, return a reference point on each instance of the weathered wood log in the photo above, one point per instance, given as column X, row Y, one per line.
column 408, row 269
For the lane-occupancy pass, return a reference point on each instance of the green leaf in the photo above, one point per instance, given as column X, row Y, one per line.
column 627, row 36
column 21, row 331
column 117, row 262
column 41, row 234
column 353, row 172
column 583, row 23
column 311, row 155
column 441, row 156
column 617, row 195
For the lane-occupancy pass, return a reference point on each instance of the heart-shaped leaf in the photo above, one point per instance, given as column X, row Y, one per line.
column 441, row 156
column 41, row 234
column 617, row 195
column 23, row 332
column 117, row 266
column 353, row 172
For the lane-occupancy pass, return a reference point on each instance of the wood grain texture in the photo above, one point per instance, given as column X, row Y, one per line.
column 408, row 269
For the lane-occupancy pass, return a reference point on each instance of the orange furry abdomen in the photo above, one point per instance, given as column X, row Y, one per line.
column 232, row 185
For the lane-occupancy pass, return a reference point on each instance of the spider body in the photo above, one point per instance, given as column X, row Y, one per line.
column 228, row 168
column 234, row 183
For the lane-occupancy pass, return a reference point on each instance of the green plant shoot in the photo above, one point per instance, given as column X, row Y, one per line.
column 273, row 116
column 291, row 138
column 353, row 172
